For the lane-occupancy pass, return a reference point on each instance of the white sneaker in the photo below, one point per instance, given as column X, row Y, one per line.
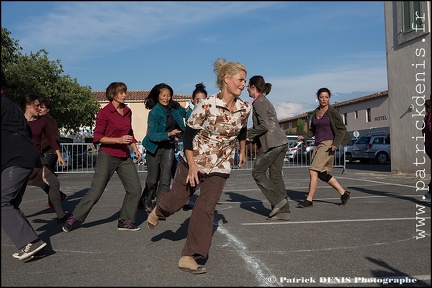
column 29, row 250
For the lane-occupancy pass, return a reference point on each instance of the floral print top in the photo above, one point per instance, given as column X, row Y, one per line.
column 215, row 143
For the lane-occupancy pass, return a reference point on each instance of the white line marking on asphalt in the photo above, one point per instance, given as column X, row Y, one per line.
column 378, row 182
column 388, row 195
column 331, row 221
column 257, row 268
column 334, row 248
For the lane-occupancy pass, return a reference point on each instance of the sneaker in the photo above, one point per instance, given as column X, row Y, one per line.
column 68, row 224
column 64, row 218
column 126, row 225
column 29, row 250
column 277, row 207
column 345, row 197
column 306, row 203
column 427, row 196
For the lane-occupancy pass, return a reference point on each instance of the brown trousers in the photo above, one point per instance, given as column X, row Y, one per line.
column 200, row 230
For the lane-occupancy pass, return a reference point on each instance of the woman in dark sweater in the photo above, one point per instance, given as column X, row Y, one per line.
column 43, row 176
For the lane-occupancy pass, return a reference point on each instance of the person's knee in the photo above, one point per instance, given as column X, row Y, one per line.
column 324, row 176
column 51, row 181
column 256, row 175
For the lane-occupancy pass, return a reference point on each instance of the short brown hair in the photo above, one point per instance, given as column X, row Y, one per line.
column 114, row 89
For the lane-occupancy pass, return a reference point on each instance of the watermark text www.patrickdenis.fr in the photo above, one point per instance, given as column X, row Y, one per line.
column 421, row 69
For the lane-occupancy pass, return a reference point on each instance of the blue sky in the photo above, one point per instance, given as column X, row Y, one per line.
column 298, row 47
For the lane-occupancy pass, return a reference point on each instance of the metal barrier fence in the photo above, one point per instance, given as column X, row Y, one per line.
column 82, row 157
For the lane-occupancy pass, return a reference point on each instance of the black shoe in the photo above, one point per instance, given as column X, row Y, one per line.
column 188, row 207
column 345, row 197
column 305, row 204
column 278, row 207
column 69, row 224
column 64, row 218
column 127, row 225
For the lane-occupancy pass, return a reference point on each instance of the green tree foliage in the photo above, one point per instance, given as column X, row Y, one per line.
column 74, row 106
column 301, row 127
column 10, row 48
column 289, row 131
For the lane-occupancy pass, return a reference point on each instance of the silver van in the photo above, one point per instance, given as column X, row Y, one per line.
column 372, row 148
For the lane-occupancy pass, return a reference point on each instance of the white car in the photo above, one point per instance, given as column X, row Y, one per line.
column 348, row 150
column 300, row 151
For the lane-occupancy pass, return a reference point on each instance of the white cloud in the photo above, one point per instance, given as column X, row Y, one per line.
column 345, row 84
column 84, row 29
column 287, row 110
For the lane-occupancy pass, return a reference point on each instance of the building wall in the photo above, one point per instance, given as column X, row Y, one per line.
column 409, row 82
column 291, row 122
column 379, row 117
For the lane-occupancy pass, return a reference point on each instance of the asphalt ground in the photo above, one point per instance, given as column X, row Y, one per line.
column 382, row 237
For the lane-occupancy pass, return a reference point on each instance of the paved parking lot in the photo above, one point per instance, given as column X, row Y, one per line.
column 381, row 238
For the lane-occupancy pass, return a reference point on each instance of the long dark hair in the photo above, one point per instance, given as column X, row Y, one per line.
column 153, row 97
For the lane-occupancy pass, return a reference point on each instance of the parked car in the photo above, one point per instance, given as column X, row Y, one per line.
column 345, row 153
column 348, row 150
column 372, row 148
column 293, row 148
column 300, row 151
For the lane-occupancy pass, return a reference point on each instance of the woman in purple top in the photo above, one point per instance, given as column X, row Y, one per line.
column 330, row 132
column 113, row 131
column 43, row 176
